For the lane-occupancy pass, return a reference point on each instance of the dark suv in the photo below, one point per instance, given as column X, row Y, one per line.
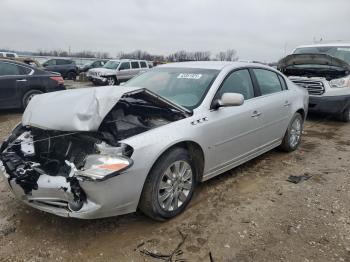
column 67, row 68
column 19, row 82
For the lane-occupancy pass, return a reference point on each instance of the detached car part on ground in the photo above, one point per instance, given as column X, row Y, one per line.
column 91, row 153
column 116, row 71
column 20, row 82
column 324, row 70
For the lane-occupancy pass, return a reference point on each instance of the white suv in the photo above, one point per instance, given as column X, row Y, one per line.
column 116, row 71
column 324, row 70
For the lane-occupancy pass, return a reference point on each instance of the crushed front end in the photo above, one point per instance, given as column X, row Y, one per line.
column 49, row 169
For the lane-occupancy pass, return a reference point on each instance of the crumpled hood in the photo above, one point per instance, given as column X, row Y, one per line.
column 103, row 71
column 73, row 110
column 312, row 59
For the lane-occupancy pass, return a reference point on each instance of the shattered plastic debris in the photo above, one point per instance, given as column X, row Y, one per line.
column 172, row 257
column 298, row 179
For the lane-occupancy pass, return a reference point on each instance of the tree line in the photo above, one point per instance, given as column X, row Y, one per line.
column 179, row 56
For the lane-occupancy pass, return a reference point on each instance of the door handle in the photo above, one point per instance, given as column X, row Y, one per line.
column 256, row 114
column 21, row 80
column 286, row 103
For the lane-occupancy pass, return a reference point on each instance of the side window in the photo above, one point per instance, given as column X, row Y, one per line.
column 135, row 65
column 143, row 64
column 10, row 55
column 124, row 66
column 268, row 81
column 7, row 69
column 50, row 62
column 24, row 70
column 238, row 82
column 283, row 82
column 62, row 62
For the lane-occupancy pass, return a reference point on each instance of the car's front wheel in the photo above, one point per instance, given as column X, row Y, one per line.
column 112, row 81
column 292, row 137
column 169, row 186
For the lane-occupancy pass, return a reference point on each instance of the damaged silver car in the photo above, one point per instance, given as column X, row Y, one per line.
column 106, row 151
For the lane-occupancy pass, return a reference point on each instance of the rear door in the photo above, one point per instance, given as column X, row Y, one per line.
column 13, row 79
column 272, row 106
column 135, row 68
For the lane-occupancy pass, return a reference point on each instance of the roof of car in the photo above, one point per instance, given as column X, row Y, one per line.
column 217, row 65
column 325, row 44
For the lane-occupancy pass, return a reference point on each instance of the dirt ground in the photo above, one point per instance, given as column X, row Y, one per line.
column 250, row 213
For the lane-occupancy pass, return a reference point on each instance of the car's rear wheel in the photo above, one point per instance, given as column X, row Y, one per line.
column 292, row 137
column 72, row 75
column 28, row 96
column 345, row 117
column 112, row 81
column 169, row 186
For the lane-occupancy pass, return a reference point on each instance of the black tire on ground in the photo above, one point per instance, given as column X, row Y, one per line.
column 72, row 75
column 28, row 96
column 288, row 144
column 95, row 82
column 345, row 116
column 149, row 202
column 112, row 81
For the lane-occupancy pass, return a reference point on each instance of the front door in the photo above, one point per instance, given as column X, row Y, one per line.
column 232, row 132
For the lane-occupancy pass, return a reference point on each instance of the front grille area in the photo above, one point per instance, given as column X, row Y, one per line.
column 313, row 87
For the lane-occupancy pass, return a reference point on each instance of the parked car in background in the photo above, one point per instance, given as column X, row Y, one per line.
column 8, row 55
column 117, row 71
column 94, row 64
column 324, row 70
column 66, row 67
column 19, row 83
column 107, row 151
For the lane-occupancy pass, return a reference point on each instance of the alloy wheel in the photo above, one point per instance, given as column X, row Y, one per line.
column 295, row 132
column 175, row 186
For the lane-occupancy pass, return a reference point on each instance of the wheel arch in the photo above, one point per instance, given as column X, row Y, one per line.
column 196, row 153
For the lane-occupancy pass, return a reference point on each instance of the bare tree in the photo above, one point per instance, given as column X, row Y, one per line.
column 228, row 55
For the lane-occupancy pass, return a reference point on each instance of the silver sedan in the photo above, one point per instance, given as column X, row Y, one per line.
column 106, row 151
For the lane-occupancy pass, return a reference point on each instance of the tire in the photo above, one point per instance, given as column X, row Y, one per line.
column 345, row 116
column 112, row 81
column 292, row 137
column 28, row 96
column 72, row 75
column 169, row 201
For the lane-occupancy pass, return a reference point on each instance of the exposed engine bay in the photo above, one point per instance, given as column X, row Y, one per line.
column 36, row 158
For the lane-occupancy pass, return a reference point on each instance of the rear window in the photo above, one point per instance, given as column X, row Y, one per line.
column 268, row 81
column 135, row 65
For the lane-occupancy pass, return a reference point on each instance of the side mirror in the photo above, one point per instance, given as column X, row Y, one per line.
column 122, row 83
column 228, row 99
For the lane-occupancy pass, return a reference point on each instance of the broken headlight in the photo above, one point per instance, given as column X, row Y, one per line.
column 340, row 82
column 101, row 167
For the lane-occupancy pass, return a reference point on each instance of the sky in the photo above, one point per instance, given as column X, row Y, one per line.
column 263, row 30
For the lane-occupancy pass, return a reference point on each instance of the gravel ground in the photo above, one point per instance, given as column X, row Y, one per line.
column 250, row 213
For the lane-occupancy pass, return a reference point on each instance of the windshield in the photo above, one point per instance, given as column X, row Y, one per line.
column 184, row 86
column 111, row 65
column 340, row 52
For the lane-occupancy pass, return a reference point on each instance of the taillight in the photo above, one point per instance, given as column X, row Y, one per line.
column 58, row 79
